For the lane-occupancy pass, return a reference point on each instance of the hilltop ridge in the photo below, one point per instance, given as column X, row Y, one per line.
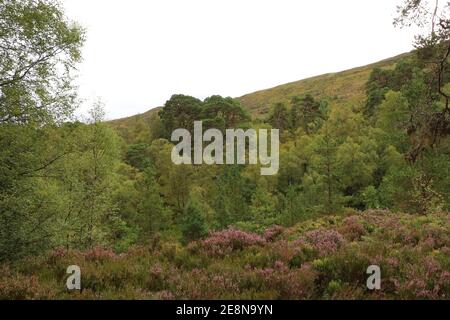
column 338, row 88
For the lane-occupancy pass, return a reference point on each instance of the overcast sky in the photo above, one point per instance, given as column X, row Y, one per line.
column 140, row 52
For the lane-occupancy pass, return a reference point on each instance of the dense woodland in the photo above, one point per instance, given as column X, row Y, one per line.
column 360, row 183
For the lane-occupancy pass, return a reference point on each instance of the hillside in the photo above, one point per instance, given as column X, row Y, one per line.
column 339, row 88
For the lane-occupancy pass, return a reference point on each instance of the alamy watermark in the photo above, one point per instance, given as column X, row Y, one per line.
column 374, row 281
column 74, row 280
column 235, row 143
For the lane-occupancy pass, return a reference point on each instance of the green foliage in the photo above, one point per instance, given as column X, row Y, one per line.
column 232, row 196
column 392, row 117
column 223, row 113
column 376, row 88
column 381, row 81
column 370, row 198
column 193, row 224
column 304, row 113
column 137, row 155
column 39, row 49
column 264, row 206
column 180, row 112
column 278, row 117
column 151, row 216
column 88, row 184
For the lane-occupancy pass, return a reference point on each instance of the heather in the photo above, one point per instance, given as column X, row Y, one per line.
column 321, row 258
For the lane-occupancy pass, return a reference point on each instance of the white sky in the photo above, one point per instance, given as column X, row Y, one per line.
column 140, row 52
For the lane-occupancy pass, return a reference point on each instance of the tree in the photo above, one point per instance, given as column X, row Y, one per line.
column 27, row 160
column 376, row 88
column 180, row 111
column 279, row 117
column 263, row 206
column 324, row 163
column 39, row 49
column 295, row 161
column 137, row 155
column 151, row 216
column 90, row 181
column 232, row 196
column 193, row 226
column 304, row 111
column 433, row 51
column 393, row 116
column 223, row 113
column 355, row 166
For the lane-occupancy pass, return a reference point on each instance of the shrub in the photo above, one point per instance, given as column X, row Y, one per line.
column 15, row 286
column 353, row 228
column 223, row 242
column 324, row 241
column 194, row 225
column 271, row 234
column 326, row 258
column 100, row 254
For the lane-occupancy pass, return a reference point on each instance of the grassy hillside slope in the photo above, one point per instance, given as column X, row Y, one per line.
column 338, row 88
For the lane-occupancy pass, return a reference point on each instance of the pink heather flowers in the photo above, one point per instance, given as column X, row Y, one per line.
column 273, row 233
column 100, row 254
column 328, row 262
column 324, row 241
column 223, row 242
column 352, row 228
